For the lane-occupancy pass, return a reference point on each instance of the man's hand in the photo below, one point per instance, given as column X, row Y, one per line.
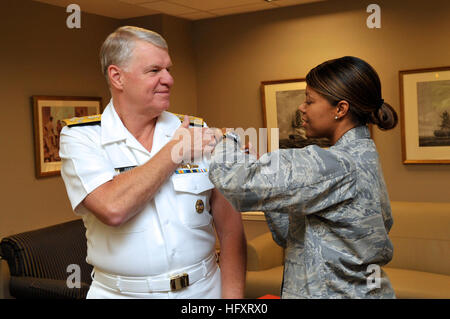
column 193, row 142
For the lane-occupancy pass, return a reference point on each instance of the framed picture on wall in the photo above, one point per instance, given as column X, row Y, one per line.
column 425, row 113
column 280, row 102
column 48, row 114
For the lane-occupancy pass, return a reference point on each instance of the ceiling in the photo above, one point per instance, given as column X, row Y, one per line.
column 187, row 9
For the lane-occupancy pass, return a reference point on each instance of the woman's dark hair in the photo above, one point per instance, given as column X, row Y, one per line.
column 355, row 81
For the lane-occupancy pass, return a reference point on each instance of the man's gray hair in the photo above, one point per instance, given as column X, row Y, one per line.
column 119, row 45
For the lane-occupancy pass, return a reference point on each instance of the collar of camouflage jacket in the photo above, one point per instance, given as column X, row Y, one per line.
column 356, row 133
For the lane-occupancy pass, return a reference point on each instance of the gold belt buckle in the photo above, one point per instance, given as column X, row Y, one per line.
column 179, row 282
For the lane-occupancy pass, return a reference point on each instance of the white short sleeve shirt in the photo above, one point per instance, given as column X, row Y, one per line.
column 170, row 232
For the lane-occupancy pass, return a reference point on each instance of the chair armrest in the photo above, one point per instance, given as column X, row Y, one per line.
column 4, row 280
column 263, row 253
column 43, row 288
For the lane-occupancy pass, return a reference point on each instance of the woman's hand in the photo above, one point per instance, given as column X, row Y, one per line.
column 218, row 135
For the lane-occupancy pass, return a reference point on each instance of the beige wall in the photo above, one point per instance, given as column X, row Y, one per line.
column 218, row 65
column 40, row 56
column 236, row 53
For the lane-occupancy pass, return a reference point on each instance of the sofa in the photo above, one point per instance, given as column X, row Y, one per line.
column 34, row 264
column 46, row 263
column 420, row 267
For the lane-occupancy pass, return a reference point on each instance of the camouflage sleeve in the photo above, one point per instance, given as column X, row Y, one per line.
column 279, row 227
column 290, row 180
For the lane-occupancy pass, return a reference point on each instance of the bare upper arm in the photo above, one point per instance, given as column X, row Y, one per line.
column 226, row 218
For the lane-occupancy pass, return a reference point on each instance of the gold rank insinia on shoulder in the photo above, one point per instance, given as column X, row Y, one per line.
column 193, row 120
column 83, row 120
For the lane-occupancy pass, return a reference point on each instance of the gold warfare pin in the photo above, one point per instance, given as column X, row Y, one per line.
column 199, row 206
column 188, row 166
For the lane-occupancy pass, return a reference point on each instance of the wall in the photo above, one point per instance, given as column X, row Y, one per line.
column 236, row 53
column 40, row 56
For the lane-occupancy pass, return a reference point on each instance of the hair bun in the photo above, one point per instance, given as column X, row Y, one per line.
column 385, row 117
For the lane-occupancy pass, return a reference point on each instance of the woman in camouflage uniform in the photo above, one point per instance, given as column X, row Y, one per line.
column 329, row 208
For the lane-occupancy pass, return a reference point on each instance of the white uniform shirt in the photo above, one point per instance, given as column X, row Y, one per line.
column 169, row 233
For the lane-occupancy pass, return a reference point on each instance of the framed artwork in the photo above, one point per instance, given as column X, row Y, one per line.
column 48, row 114
column 425, row 113
column 280, row 102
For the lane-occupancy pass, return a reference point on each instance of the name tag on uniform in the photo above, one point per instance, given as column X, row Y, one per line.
column 123, row 169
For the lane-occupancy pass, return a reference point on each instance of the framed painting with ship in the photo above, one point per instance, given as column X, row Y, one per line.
column 425, row 114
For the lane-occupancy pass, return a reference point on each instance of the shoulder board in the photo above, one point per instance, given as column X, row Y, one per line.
column 85, row 120
column 193, row 121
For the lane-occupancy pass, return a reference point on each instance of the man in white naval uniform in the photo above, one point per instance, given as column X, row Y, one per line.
column 149, row 220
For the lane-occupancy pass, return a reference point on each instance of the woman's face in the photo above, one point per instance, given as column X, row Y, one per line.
column 317, row 115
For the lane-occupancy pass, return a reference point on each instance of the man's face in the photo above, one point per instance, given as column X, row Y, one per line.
column 146, row 78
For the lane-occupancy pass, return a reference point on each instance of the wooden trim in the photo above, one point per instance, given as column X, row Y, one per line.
column 254, row 216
